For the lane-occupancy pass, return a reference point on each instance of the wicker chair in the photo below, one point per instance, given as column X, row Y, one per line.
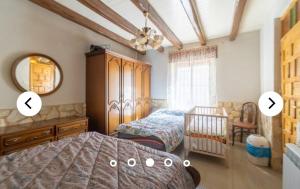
column 247, row 123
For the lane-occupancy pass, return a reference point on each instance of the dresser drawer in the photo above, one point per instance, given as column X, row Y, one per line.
column 27, row 145
column 69, row 135
column 24, row 138
column 72, row 127
column 18, row 137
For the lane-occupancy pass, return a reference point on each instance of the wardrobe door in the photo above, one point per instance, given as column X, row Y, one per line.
column 290, row 80
column 146, row 90
column 127, row 91
column 114, row 68
column 138, row 103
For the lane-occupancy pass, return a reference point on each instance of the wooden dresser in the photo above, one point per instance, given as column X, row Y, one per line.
column 18, row 137
column 117, row 90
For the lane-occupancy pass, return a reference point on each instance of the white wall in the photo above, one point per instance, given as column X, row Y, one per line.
column 270, row 76
column 27, row 28
column 270, row 58
column 238, row 69
column 159, row 72
column 268, row 43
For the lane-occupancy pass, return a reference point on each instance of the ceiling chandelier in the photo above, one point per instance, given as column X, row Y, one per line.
column 146, row 38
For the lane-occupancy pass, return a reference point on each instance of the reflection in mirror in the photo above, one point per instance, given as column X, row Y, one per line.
column 38, row 73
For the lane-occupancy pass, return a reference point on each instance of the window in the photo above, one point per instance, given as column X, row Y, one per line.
column 192, row 78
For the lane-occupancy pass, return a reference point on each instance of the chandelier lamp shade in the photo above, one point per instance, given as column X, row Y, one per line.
column 146, row 38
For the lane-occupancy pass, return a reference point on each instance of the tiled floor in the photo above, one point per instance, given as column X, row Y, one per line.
column 240, row 174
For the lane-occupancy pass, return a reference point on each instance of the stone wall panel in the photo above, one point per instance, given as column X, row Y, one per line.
column 13, row 117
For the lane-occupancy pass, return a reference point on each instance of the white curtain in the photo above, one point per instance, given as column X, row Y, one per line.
column 192, row 78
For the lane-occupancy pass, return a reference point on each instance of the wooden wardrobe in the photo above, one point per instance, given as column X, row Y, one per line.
column 117, row 90
column 290, row 71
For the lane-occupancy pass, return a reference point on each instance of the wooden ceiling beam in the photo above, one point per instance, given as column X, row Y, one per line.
column 238, row 14
column 143, row 5
column 191, row 9
column 103, row 10
column 69, row 14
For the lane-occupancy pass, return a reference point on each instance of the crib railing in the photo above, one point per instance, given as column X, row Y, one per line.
column 206, row 131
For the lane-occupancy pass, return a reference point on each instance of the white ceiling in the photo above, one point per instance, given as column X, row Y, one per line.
column 255, row 14
column 172, row 12
column 216, row 16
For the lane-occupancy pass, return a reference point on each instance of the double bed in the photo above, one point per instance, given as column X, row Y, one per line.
column 162, row 130
column 85, row 162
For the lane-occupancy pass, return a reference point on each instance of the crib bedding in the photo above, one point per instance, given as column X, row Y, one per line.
column 166, row 125
column 206, row 127
column 84, row 162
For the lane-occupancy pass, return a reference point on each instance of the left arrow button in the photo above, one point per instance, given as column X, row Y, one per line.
column 29, row 103
column 26, row 103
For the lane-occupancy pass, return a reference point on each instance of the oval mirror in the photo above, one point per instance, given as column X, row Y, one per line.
column 38, row 73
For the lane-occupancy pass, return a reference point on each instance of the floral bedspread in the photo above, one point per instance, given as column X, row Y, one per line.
column 167, row 125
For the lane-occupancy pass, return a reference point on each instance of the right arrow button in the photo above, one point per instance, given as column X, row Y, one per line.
column 273, row 103
column 270, row 103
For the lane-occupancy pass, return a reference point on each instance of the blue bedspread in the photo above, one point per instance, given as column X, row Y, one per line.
column 165, row 124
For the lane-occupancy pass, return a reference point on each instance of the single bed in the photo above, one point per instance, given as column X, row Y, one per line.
column 162, row 130
column 84, row 162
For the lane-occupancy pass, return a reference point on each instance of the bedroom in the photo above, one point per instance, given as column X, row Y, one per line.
column 114, row 95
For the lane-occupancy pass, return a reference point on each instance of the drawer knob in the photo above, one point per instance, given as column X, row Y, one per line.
column 46, row 133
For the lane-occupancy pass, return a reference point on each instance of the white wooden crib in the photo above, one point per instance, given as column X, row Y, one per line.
column 205, row 131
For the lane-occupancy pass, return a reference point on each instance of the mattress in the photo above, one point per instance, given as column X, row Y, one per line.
column 166, row 125
column 207, row 127
column 84, row 162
